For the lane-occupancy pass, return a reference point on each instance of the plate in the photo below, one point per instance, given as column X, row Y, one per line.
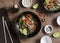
column 46, row 39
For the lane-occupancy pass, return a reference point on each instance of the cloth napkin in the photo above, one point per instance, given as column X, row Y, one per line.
column 3, row 12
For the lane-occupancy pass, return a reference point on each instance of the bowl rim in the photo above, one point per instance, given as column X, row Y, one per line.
column 26, row 5
column 46, row 28
column 57, row 20
column 45, row 37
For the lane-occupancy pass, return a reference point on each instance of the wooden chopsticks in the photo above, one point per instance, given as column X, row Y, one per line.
column 5, row 24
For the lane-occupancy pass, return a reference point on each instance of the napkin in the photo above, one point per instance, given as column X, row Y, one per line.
column 3, row 12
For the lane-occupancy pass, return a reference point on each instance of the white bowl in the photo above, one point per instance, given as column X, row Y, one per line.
column 45, row 39
column 48, row 29
column 58, row 0
column 58, row 20
column 27, row 3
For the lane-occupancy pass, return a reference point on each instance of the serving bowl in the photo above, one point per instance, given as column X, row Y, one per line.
column 46, row 8
column 35, row 31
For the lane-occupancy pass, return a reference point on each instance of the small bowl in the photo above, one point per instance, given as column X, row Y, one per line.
column 48, row 29
column 24, row 3
column 58, row 20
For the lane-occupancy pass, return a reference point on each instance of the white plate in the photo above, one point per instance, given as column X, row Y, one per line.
column 58, row 20
column 27, row 3
column 46, row 39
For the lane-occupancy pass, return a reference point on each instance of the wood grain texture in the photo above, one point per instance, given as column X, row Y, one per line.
column 49, row 20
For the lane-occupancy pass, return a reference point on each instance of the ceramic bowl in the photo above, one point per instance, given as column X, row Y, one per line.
column 45, row 39
column 27, row 3
column 48, row 29
column 58, row 20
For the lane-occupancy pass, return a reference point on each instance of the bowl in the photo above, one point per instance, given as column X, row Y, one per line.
column 34, row 32
column 58, row 20
column 55, row 10
column 27, row 3
column 48, row 29
column 46, row 39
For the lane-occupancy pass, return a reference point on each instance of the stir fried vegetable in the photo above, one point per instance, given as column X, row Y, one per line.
column 27, row 24
column 51, row 5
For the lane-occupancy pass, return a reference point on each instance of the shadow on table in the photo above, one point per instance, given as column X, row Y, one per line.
column 38, row 41
column 12, row 10
column 55, row 23
column 20, row 3
column 43, row 30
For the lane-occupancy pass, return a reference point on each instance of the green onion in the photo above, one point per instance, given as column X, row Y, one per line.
column 21, row 22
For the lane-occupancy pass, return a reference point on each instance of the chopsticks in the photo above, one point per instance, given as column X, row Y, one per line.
column 8, row 32
column 5, row 24
column 4, row 30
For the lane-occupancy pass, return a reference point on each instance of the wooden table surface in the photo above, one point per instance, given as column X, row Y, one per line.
column 50, row 19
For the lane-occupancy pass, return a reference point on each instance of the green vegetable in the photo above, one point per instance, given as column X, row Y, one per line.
column 36, row 6
column 25, row 31
column 21, row 22
column 56, row 35
column 47, row 1
column 21, row 30
column 55, row 7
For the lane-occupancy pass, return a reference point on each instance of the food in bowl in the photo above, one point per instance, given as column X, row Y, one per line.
column 48, row 29
column 51, row 5
column 27, row 24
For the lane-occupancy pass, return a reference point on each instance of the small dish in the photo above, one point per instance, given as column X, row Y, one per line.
column 48, row 29
column 58, row 20
column 27, row 3
column 46, row 39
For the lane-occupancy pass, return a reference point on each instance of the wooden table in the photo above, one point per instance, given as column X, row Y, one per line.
column 50, row 19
